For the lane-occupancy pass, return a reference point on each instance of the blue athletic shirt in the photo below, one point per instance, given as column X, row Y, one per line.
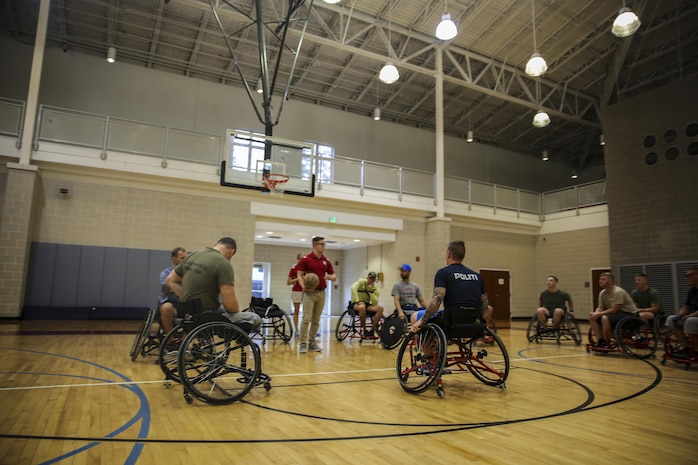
column 464, row 287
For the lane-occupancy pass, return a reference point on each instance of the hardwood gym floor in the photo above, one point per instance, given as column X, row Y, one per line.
column 70, row 394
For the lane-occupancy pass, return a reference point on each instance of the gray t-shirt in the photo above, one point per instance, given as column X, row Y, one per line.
column 408, row 292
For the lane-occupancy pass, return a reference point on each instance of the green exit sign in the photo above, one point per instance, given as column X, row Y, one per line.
column 333, row 219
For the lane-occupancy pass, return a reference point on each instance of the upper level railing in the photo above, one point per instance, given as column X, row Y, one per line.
column 105, row 133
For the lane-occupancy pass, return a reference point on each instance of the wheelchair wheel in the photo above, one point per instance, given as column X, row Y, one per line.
column 635, row 337
column 345, row 325
column 421, row 358
column 485, row 364
column 283, row 327
column 218, row 363
column 169, row 350
column 139, row 344
column 573, row 328
column 392, row 332
column 533, row 331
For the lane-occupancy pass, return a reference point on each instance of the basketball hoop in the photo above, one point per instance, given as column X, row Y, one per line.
column 275, row 182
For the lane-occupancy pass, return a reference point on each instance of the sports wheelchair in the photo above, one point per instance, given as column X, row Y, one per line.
column 349, row 325
column 424, row 356
column 567, row 330
column 394, row 330
column 672, row 350
column 215, row 360
column 631, row 335
column 149, row 337
column 276, row 324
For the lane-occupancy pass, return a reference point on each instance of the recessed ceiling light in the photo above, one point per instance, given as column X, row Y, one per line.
column 270, row 232
column 304, row 240
column 357, row 240
column 259, row 236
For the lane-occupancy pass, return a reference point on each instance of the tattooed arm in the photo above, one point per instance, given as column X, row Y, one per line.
column 432, row 307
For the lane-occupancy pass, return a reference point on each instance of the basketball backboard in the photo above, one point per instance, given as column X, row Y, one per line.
column 250, row 156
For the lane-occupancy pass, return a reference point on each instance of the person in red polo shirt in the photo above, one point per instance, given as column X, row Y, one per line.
column 314, row 301
column 296, row 292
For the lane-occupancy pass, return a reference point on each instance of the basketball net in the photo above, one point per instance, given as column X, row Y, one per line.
column 276, row 183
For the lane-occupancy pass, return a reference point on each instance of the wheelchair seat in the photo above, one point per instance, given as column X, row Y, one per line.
column 276, row 324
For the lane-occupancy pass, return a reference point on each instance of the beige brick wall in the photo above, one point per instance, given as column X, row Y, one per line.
column 17, row 214
column 122, row 216
column 282, row 259
column 570, row 256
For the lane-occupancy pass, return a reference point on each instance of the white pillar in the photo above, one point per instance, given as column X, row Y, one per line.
column 439, row 104
column 25, row 152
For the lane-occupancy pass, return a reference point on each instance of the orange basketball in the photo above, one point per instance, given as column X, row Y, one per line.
column 311, row 281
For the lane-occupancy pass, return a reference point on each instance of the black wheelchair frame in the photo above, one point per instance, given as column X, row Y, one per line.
column 567, row 330
column 276, row 323
column 215, row 360
column 149, row 336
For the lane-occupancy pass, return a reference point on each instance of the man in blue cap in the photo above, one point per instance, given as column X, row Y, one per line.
column 407, row 294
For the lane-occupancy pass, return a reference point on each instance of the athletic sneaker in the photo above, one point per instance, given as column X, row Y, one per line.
column 303, row 348
column 314, row 347
column 297, row 335
column 601, row 344
column 369, row 333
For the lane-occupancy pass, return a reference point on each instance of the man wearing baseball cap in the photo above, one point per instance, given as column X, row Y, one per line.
column 364, row 297
column 407, row 294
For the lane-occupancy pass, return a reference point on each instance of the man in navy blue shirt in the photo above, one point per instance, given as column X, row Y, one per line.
column 459, row 288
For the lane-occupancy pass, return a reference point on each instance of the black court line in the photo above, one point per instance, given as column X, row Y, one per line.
column 584, row 406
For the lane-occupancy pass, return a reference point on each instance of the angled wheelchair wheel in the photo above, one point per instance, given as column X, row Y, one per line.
column 573, row 329
column 490, row 366
column 283, row 327
column 345, row 325
column 636, row 337
column 169, row 350
column 143, row 336
column 421, row 358
column 532, row 332
column 218, row 363
column 392, row 332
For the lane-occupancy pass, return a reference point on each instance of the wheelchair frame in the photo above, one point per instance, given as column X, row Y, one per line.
column 631, row 335
column 424, row 357
column 276, row 323
column 202, row 350
column 349, row 325
column 147, row 341
column 670, row 346
column 567, row 330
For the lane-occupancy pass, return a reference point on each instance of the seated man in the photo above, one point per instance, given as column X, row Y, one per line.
column 614, row 305
column 553, row 303
column 686, row 321
column 459, row 288
column 364, row 297
column 168, row 300
column 407, row 294
column 207, row 274
column 646, row 298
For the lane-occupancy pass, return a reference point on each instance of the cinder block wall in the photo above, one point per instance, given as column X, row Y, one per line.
column 652, row 207
column 571, row 256
column 109, row 214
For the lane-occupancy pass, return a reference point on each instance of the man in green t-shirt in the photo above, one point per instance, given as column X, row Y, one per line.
column 207, row 274
column 553, row 303
column 646, row 298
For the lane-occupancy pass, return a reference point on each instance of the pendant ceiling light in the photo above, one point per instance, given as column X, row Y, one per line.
column 446, row 30
column 536, row 65
column 626, row 23
column 541, row 119
column 389, row 73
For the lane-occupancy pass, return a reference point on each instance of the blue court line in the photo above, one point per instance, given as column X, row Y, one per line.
column 143, row 413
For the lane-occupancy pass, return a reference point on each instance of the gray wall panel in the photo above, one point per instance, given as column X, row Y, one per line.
column 90, row 276
column 114, row 278
column 42, row 261
column 158, row 261
column 136, row 277
column 64, row 291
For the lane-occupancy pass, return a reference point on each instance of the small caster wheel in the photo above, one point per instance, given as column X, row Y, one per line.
column 502, row 386
column 663, row 361
column 267, row 387
column 440, row 393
